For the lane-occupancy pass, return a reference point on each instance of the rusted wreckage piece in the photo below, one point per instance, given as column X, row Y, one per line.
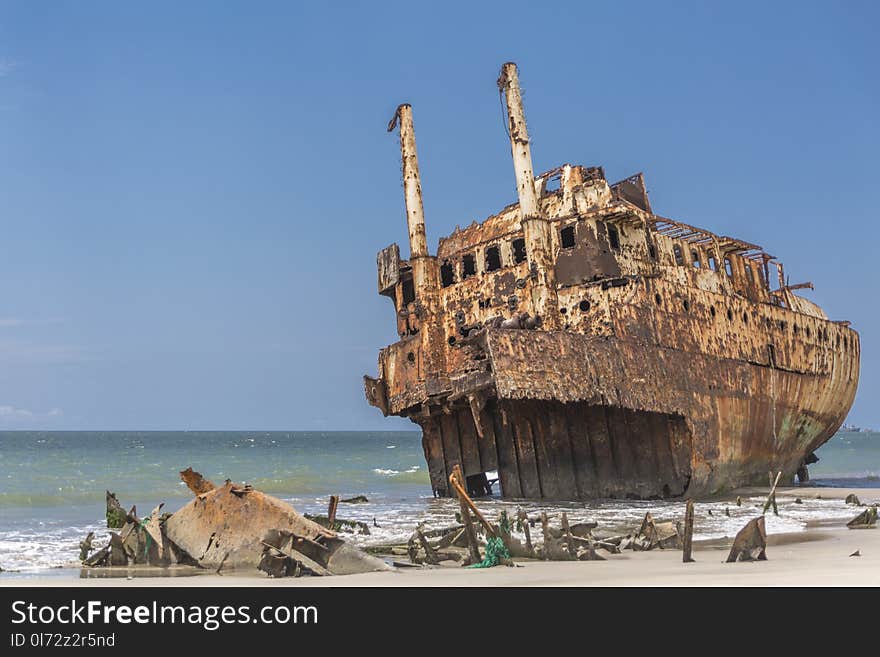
column 665, row 535
column 229, row 525
column 115, row 514
column 196, row 482
column 852, row 498
column 583, row 346
column 330, row 521
column 140, row 542
column 750, row 543
column 867, row 519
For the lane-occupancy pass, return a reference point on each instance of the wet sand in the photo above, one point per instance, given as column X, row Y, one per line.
column 814, row 557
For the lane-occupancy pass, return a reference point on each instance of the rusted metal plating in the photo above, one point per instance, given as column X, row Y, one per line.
column 583, row 346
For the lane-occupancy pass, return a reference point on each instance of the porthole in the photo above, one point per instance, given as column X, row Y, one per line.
column 584, row 306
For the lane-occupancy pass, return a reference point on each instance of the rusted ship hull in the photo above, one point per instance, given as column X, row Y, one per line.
column 563, row 416
column 583, row 346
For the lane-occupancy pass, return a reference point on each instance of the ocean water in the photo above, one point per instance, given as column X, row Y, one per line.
column 52, row 485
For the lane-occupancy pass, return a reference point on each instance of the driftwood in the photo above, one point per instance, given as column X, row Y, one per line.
column 867, row 519
column 750, row 543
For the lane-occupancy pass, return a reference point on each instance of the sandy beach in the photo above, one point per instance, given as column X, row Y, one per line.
column 817, row 556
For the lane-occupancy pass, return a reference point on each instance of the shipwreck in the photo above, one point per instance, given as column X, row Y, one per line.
column 583, row 346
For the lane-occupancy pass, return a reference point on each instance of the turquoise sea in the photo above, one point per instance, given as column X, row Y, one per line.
column 52, row 484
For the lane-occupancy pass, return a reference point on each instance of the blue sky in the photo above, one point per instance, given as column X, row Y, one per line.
column 192, row 194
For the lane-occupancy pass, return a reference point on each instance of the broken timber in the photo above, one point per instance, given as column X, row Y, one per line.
column 583, row 346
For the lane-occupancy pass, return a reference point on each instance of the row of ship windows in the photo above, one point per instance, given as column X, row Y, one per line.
column 696, row 260
column 493, row 262
column 782, row 325
column 518, row 254
column 567, row 240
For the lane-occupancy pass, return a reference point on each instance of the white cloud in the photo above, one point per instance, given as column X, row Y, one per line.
column 12, row 322
column 13, row 411
column 56, row 412
column 7, row 66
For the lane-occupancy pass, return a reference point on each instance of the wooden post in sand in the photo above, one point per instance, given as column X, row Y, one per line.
column 331, row 510
column 687, row 543
column 771, row 498
column 524, row 519
column 470, row 531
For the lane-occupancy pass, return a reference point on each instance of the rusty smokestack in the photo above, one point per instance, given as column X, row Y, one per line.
column 412, row 183
column 508, row 83
column 536, row 230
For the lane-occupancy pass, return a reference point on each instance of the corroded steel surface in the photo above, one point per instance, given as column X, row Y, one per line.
column 226, row 525
column 590, row 347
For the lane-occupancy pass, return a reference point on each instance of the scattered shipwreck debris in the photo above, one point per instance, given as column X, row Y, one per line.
column 867, row 519
column 750, row 543
column 583, row 346
column 115, row 515
column 330, row 521
column 852, row 498
column 229, row 526
column 357, row 499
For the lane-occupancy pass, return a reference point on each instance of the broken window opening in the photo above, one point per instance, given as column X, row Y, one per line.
column 713, row 264
column 728, row 267
column 745, row 317
column 447, row 274
column 658, row 299
column 553, row 184
column 687, row 305
column 652, row 251
column 409, row 291
column 729, row 315
column 493, row 258
column 469, row 265
column 749, row 273
column 566, row 237
column 695, row 258
column 679, row 259
column 614, row 237
column 712, row 310
column 519, row 250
